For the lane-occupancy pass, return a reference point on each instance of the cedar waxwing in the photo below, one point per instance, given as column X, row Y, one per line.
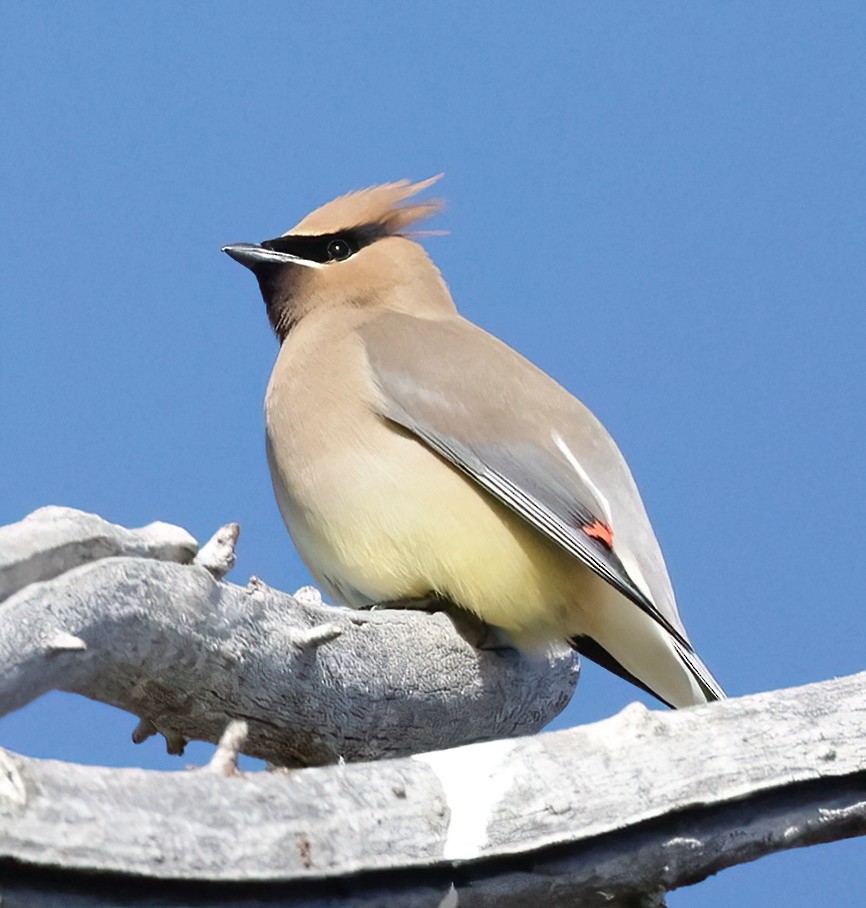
column 415, row 455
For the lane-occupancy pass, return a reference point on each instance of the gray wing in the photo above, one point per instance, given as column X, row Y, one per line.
column 527, row 441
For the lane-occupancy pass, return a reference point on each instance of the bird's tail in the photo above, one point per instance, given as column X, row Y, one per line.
column 631, row 644
column 710, row 688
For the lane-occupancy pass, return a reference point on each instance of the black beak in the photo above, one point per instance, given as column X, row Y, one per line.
column 254, row 257
column 250, row 255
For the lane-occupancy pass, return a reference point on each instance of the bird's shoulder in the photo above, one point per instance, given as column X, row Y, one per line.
column 453, row 374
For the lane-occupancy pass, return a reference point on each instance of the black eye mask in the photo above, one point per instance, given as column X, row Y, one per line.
column 330, row 247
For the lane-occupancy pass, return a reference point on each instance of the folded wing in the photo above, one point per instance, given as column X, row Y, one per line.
column 528, row 442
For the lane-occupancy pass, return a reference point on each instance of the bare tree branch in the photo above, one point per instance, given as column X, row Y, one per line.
column 635, row 805
column 614, row 813
column 188, row 654
column 53, row 540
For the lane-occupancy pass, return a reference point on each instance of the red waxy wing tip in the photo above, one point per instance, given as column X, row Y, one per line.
column 600, row 531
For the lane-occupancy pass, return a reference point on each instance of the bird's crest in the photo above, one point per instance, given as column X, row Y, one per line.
column 378, row 206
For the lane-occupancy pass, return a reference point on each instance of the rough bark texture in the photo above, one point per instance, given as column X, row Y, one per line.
column 507, row 823
column 188, row 653
column 53, row 540
column 614, row 813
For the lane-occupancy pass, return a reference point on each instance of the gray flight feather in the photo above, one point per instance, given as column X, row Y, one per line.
column 524, row 439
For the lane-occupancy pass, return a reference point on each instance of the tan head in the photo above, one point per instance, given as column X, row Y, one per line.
column 354, row 251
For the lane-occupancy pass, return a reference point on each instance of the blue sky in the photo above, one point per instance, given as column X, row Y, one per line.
column 662, row 205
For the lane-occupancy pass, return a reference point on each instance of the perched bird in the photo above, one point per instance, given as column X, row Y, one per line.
column 415, row 455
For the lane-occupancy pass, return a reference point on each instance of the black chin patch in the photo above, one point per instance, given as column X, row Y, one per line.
column 329, row 247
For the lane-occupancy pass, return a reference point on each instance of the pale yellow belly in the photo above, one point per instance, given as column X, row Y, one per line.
column 391, row 520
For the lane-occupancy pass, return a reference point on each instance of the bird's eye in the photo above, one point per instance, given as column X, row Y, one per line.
column 338, row 250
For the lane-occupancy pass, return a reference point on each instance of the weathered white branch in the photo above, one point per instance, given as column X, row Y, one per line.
column 53, row 540
column 315, row 684
column 218, row 553
column 637, row 804
column 614, row 813
column 225, row 758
